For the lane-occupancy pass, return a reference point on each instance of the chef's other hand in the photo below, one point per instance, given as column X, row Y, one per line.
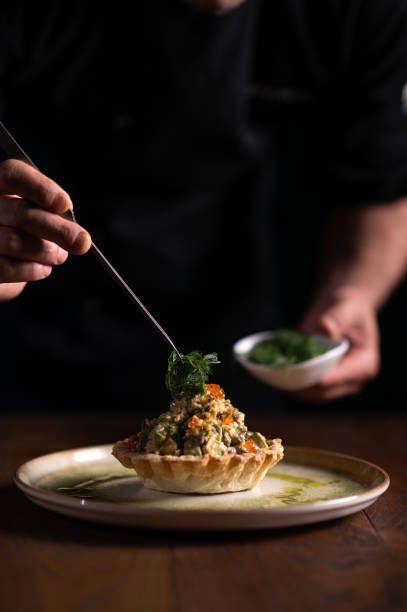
column 33, row 237
column 344, row 312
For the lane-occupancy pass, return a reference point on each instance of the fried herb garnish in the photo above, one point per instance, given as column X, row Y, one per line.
column 187, row 376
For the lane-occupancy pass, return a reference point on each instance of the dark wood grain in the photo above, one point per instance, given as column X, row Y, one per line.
column 49, row 562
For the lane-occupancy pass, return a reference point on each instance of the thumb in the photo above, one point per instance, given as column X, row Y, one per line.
column 338, row 318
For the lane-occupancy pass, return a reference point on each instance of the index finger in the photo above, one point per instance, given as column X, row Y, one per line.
column 19, row 178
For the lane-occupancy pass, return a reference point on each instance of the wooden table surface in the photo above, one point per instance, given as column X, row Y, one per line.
column 50, row 563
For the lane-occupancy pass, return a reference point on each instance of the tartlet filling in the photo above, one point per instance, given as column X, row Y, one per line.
column 206, row 424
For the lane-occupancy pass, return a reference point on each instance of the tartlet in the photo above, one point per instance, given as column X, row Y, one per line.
column 201, row 445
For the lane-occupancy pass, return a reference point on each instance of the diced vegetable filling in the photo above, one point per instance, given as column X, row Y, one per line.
column 205, row 424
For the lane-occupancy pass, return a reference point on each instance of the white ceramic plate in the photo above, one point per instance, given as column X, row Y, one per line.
column 308, row 486
column 296, row 377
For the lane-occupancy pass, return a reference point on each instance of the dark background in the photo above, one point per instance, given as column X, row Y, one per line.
column 203, row 153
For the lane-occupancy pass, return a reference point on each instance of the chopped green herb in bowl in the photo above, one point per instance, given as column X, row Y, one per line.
column 286, row 348
column 288, row 359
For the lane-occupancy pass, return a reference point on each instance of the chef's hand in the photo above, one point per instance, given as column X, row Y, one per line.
column 33, row 238
column 344, row 312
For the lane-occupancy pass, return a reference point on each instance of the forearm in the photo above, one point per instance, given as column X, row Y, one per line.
column 366, row 248
column 9, row 291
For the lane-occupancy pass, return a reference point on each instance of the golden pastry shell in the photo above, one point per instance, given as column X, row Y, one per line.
column 207, row 474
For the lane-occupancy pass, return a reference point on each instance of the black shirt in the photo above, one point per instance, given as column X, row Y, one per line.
column 203, row 153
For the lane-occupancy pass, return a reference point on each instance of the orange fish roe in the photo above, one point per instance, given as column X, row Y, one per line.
column 194, row 422
column 227, row 420
column 216, row 390
column 249, row 446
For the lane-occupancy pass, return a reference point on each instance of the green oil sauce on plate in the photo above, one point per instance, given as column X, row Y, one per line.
column 307, row 481
column 292, row 485
column 87, row 488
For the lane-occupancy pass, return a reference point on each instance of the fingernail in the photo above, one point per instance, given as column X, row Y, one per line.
column 82, row 243
column 46, row 270
column 62, row 255
column 62, row 203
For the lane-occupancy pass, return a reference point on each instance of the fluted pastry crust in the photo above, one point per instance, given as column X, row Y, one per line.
column 207, row 474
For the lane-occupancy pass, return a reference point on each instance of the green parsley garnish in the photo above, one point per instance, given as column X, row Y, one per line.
column 187, row 376
column 286, row 348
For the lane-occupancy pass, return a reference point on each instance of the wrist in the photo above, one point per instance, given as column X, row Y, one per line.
column 340, row 291
column 349, row 279
column 365, row 249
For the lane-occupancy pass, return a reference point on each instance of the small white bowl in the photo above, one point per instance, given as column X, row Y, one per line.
column 296, row 377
